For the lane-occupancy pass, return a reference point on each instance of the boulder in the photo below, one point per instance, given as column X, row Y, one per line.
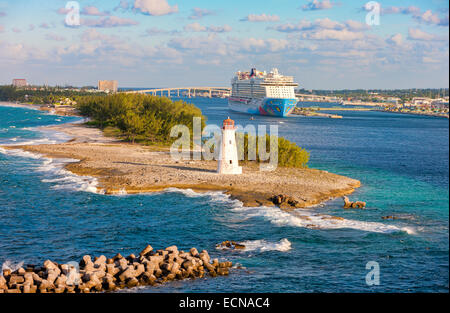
column 353, row 205
column 172, row 249
column 48, row 265
column 146, row 251
column 194, row 252
column 100, row 260
column 232, row 245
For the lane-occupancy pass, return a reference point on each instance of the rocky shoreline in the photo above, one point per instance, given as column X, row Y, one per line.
column 102, row 274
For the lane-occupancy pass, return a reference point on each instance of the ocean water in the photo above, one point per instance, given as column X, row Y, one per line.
column 401, row 160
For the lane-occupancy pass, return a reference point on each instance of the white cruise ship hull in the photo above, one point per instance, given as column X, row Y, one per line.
column 266, row 106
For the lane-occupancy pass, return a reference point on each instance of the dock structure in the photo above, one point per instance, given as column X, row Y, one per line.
column 209, row 92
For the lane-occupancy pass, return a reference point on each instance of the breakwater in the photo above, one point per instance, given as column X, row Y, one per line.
column 103, row 274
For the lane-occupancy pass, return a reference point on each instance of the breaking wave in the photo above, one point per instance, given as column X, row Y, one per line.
column 60, row 178
column 299, row 218
column 315, row 220
column 262, row 245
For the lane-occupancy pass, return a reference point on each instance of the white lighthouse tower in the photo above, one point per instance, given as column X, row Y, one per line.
column 228, row 156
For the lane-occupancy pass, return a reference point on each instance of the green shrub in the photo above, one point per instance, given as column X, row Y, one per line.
column 289, row 153
column 142, row 118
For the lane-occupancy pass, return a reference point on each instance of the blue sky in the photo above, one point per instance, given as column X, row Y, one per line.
column 154, row 43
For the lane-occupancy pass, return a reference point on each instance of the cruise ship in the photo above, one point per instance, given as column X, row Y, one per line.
column 263, row 93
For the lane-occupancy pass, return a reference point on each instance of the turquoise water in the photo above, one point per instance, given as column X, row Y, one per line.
column 402, row 161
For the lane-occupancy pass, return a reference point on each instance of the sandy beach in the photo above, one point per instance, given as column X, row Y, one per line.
column 131, row 168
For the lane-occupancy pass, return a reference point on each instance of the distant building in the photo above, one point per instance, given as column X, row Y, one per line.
column 19, row 82
column 108, row 85
column 421, row 101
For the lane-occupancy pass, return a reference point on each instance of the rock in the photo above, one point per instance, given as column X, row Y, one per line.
column 139, row 269
column 6, row 272
column 49, row 265
column 106, row 274
column 16, row 279
column 100, row 260
column 194, row 252
column 353, row 205
column 127, row 274
column 389, row 217
column 132, row 282
column 118, row 256
column 233, row 245
column 146, row 251
column 172, row 249
column 284, row 201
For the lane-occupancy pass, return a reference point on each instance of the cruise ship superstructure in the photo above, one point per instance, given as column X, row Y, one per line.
column 263, row 93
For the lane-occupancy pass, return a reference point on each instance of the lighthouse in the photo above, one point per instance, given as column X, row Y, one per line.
column 228, row 155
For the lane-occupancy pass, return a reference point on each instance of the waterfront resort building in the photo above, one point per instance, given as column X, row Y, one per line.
column 19, row 82
column 108, row 85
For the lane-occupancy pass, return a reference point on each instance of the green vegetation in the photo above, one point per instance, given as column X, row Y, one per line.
column 40, row 95
column 139, row 118
column 289, row 153
column 370, row 95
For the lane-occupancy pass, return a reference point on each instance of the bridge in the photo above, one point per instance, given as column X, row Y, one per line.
column 189, row 92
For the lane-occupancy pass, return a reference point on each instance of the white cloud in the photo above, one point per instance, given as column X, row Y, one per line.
column 154, row 7
column 317, row 5
column 198, row 13
column 196, row 27
column 333, row 34
column 395, row 40
column 261, row 18
column 93, row 11
column 417, row 34
column 325, row 29
column 54, row 37
column 110, row 21
column 426, row 59
column 429, row 17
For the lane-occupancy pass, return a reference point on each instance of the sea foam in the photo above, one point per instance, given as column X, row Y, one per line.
column 299, row 218
column 315, row 220
column 262, row 245
column 59, row 177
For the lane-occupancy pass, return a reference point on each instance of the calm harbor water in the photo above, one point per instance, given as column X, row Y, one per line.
column 401, row 160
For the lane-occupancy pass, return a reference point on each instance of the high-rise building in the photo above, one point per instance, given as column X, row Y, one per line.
column 19, row 82
column 108, row 85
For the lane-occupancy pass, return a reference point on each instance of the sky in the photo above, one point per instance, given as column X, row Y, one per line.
column 324, row 44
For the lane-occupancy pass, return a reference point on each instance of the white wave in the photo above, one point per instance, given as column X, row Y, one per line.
column 55, row 168
column 9, row 265
column 20, row 153
column 18, row 105
column 314, row 220
column 214, row 196
column 262, row 245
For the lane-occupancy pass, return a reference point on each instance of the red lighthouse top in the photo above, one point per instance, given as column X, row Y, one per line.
column 228, row 124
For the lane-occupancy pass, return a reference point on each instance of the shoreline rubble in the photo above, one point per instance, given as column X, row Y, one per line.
column 102, row 274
